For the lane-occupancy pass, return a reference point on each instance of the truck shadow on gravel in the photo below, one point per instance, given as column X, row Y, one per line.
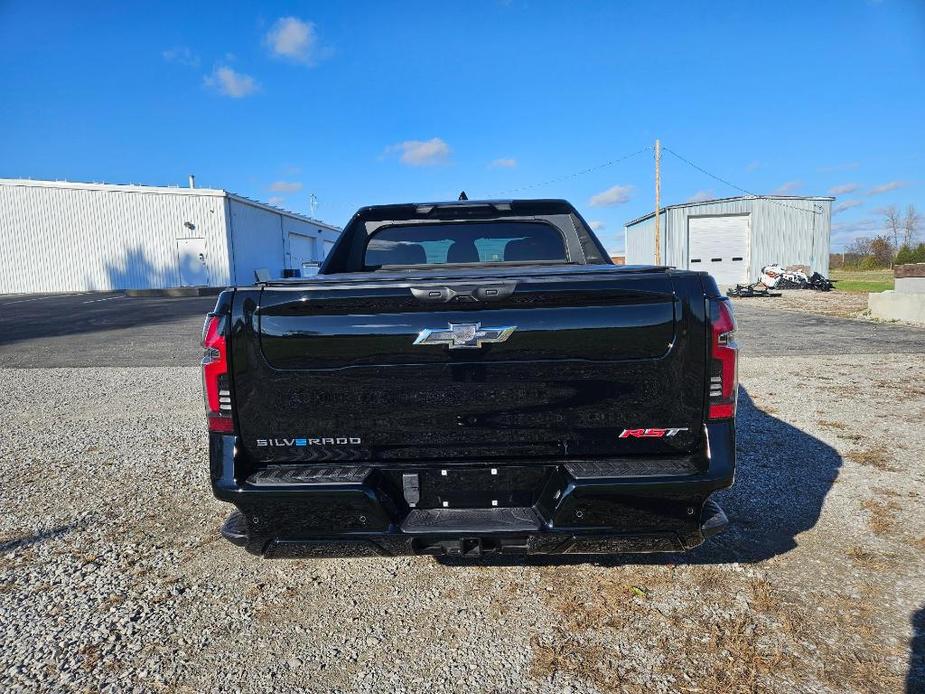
column 783, row 475
column 915, row 679
column 27, row 541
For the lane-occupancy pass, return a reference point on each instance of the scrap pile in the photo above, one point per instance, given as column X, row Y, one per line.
column 750, row 290
column 777, row 277
column 794, row 277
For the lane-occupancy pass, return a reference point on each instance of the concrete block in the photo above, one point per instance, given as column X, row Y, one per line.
column 910, row 285
column 893, row 305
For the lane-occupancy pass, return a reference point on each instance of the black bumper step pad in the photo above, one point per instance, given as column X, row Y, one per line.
column 633, row 467
column 283, row 475
column 471, row 520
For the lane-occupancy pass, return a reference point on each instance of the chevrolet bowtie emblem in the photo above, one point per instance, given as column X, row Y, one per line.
column 463, row 335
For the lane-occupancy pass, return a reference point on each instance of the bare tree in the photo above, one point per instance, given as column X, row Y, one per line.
column 911, row 226
column 893, row 223
column 859, row 246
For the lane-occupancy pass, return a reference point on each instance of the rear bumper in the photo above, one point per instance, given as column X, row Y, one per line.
column 641, row 505
column 475, row 542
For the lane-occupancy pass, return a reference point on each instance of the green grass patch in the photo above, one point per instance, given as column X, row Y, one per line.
column 863, row 281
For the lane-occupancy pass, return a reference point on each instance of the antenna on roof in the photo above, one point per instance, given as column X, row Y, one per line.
column 463, row 196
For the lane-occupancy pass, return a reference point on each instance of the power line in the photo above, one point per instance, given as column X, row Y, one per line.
column 714, row 176
column 572, row 175
column 813, row 211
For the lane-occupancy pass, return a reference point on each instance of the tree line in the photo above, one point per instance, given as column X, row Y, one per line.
column 895, row 246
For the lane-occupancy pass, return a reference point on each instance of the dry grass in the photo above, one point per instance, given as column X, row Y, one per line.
column 708, row 640
column 851, row 437
column 902, row 391
column 830, row 424
column 89, row 656
column 876, row 457
column 869, row 561
column 882, row 520
column 580, row 660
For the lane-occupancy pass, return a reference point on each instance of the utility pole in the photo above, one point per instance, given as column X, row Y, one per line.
column 658, row 190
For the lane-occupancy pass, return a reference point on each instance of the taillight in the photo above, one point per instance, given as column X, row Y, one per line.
column 215, row 386
column 724, row 357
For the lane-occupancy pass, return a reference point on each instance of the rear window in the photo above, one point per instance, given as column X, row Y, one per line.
column 482, row 242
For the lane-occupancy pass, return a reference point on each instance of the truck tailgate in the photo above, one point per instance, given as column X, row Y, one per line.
column 538, row 366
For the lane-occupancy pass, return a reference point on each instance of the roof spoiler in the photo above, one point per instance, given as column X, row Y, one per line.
column 466, row 207
column 462, row 208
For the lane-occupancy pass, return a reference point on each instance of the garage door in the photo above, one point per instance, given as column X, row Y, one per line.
column 719, row 245
column 301, row 249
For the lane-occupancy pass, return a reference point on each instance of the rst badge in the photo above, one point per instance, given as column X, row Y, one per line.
column 464, row 335
column 654, row 433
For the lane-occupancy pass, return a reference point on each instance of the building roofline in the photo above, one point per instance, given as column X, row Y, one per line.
column 279, row 210
column 162, row 190
column 735, row 197
column 120, row 187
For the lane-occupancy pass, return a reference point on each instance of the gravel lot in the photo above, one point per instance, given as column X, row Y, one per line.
column 113, row 578
column 835, row 303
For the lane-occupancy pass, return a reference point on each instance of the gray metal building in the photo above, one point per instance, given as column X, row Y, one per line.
column 57, row 236
column 733, row 238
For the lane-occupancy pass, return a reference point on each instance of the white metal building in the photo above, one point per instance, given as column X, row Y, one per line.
column 734, row 238
column 58, row 236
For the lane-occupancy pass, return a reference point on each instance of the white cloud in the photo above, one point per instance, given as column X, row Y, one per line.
column 504, row 163
column 862, row 225
column 285, row 186
column 886, row 187
column 293, row 39
column 844, row 189
column 421, row 152
column 787, row 188
column 617, row 195
column 846, row 205
column 596, row 225
column 702, row 195
column 276, row 200
column 843, row 233
column 753, row 166
column 231, row 83
column 182, row 55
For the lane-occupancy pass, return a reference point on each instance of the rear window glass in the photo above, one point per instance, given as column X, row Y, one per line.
column 483, row 242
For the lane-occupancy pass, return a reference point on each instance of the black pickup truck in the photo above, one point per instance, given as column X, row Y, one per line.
column 471, row 377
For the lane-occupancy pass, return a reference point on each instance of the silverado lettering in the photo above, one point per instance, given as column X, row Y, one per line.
column 482, row 354
column 338, row 440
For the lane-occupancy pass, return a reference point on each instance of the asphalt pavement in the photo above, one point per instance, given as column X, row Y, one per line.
column 766, row 332
column 100, row 329
column 112, row 329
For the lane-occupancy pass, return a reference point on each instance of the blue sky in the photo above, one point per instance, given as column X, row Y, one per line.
column 375, row 102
